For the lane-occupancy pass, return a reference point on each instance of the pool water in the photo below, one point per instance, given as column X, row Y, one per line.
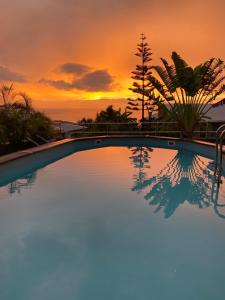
column 116, row 223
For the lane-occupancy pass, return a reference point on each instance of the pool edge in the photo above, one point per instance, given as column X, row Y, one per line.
column 30, row 151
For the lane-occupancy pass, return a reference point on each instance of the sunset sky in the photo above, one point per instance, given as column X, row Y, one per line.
column 70, row 54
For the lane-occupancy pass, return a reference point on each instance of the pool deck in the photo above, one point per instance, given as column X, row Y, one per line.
column 30, row 151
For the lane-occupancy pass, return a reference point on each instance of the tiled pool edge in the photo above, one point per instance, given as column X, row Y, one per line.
column 31, row 151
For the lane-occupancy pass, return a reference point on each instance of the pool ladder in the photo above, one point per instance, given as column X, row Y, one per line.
column 220, row 134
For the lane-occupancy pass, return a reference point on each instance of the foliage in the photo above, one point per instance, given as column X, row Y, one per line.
column 111, row 119
column 112, row 115
column 141, row 85
column 84, row 121
column 186, row 94
column 19, row 120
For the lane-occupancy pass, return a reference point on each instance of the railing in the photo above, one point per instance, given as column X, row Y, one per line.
column 206, row 130
column 220, row 134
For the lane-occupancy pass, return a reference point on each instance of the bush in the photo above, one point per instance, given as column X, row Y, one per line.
column 17, row 122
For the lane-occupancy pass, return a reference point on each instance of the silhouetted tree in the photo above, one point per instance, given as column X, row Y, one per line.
column 84, row 121
column 111, row 115
column 111, row 119
column 142, row 85
column 19, row 120
column 186, row 94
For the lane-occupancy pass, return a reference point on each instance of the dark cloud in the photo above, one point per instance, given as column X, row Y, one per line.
column 75, row 69
column 96, row 81
column 8, row 75
column 99, row 80
column 58, row 84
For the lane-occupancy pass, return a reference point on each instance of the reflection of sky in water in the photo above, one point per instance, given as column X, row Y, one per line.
column 81, row 229
column 187, row 177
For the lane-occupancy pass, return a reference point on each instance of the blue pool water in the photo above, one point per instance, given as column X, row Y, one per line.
column 116, row 223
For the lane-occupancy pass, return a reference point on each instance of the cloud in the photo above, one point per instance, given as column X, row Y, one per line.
column 58, row 84
column 95, row 81
column 99, row 80
column 8, row 75
column 75, row 69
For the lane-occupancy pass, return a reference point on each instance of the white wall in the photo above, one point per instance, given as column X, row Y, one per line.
column 217, row 113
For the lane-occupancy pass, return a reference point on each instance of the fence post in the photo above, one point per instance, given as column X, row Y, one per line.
column 206, row 131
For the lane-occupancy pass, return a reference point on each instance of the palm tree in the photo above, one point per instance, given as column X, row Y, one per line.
column 11, row 98
column 6, row 94
column 186, row 94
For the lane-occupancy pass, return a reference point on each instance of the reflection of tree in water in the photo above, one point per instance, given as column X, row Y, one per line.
column 22, row 183
column 185, row 178
column 140, row 160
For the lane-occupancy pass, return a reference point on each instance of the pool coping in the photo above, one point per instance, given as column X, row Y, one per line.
column 30, row 151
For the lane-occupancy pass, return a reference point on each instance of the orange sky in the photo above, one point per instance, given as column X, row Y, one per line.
column 62, row 52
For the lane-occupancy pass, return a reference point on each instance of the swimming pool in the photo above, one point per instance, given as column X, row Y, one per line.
column 121, row 219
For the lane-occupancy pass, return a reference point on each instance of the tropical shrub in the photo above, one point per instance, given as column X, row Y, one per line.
column 19, row 120
column 186, row 94
column 115, row 117
column 110, row 119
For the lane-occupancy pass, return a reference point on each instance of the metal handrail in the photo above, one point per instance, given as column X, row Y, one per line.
column 32, row 141
column 157, row 127
column 221, row 151
column 220, row 133
column 132, row 122
column 42, row 138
